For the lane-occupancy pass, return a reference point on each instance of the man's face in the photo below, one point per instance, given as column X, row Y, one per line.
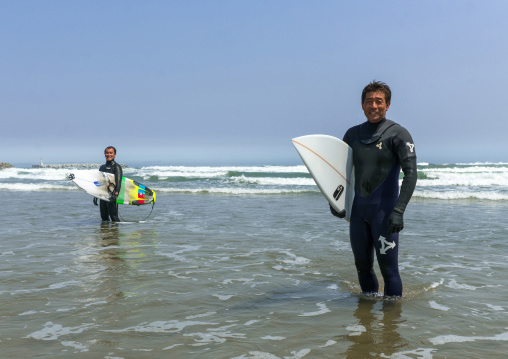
column 109, row 154
column 375, row 106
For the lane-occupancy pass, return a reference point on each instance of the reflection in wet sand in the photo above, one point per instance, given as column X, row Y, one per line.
column 377, row 330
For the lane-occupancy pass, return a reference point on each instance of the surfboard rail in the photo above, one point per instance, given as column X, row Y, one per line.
column 328, row 163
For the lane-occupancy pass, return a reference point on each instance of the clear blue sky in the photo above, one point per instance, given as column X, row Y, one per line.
column 231, row 82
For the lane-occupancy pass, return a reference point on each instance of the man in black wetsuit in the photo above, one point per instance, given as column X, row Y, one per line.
column 380, row 149
column 110, row 209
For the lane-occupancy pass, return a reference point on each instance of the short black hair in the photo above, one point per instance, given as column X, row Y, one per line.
column 377, row 86
column 114, row 149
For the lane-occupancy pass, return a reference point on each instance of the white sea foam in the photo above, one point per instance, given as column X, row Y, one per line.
column 466, row 169
column 35, row 173
column 420, row 353
column 234, row 190
column 453, row 284
column 435, row 285
column 217, row 335
column 356, row 329
column 30, row 312
column 257, row 355
column 196, row 169
column 171, row 346
column 495, row 307
column 75, row 345
column 443, row 339
column 297, row 260
column 482, row 163
column 54, row 331
column 328, row 343
column 176, row 253
column 164, row 172
column 95, row 303
column 446, row 182
column 31, row 187
column 250, row 322
column 457, row 194
column 264, row 355
column 171, row 326
column 465, row 179
column 271, row 337
column 485, row 182
column 180, row 172
column 434, row 305
column 51, row 286
column 275, row 181
column 63, row 284
column 322, row 310
column 200, row 315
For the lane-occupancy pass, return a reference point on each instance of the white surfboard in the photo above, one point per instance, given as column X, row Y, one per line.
column 100, row 184
column 330, row 163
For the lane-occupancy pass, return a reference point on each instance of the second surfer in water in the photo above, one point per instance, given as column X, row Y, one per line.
column 110, row 209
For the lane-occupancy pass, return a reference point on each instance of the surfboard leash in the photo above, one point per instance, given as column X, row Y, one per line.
column 149, row 214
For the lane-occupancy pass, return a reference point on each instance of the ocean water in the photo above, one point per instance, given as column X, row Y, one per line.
column 247, row 262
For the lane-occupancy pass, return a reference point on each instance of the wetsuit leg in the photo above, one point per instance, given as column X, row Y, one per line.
column 389, row 266
column 113, row 211
column 104, row 210
column 387, row 247
column 387, row 254
column 363, row 250
column 369, row 233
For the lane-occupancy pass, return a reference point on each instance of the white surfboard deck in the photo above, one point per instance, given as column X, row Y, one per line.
column 330, row 163
column 95, row 183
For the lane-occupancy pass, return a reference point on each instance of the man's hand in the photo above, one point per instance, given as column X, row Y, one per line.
column 340, row 214
column 395, row 221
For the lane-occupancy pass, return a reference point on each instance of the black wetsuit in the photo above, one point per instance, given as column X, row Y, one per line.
column 380, row 150
column 110, row 209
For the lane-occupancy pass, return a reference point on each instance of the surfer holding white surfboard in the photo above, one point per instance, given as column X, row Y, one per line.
column 110, row 187
column 359, row 177
column 381, row 148
column 109, row 209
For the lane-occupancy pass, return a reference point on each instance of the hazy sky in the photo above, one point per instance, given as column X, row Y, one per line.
column 231, row 82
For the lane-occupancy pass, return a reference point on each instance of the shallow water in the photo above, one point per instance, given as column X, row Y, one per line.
column 245, row 276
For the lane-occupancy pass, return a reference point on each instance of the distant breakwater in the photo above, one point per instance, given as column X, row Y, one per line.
column 74, row 165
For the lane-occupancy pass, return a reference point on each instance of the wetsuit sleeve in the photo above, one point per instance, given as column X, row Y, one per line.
column 405, row 151
column 346, row 137
column 118, row 177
